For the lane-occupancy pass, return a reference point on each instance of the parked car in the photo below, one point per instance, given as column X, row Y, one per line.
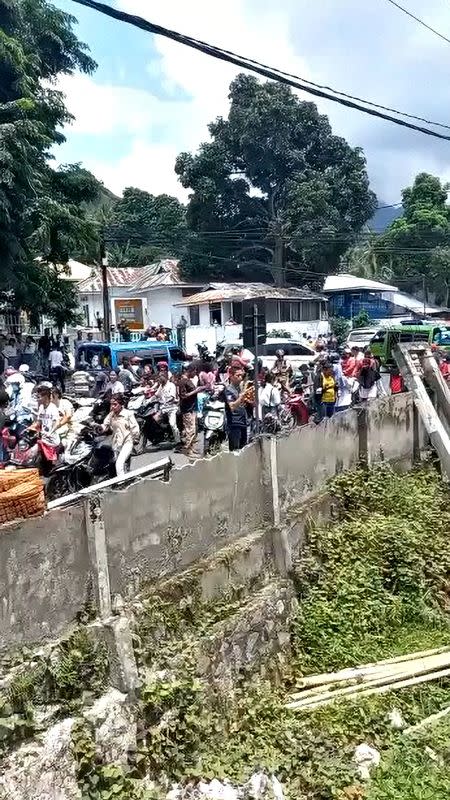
column 361, row 337
column 297, row 353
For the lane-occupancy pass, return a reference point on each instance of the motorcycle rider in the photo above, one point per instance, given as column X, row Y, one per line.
column 65, row 409
column 123, row 426
column 46, row 423
column 166, row 393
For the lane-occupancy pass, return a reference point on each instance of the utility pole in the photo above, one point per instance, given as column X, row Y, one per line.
column 105, row 293
column 278, row 260
column 424, row 289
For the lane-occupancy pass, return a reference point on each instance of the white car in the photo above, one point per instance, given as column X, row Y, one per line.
column 361, row 337
column 296, row 353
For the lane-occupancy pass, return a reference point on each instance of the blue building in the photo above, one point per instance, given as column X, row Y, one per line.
column 348, row 295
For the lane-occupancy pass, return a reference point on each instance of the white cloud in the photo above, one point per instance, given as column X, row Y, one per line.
column 148, row 166
column 367, row 49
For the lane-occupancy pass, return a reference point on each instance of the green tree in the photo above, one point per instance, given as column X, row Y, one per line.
column 414, row 245
column 143, row 227
column 275, row 191
column 37, row 44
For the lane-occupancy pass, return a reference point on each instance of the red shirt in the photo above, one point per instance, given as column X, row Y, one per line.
column 396, row 384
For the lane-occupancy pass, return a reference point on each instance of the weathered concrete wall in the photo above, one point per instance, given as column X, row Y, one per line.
column 45, row 576
column 312, row 454
column 154, row 529
column 390, row 430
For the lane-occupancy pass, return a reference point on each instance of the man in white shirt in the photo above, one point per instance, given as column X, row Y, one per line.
column 47, row 418
column 56, row 366
column 123, row 426
column 166, row 393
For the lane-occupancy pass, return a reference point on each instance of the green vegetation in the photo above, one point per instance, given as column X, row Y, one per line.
column 373, row 584
column 76, row 670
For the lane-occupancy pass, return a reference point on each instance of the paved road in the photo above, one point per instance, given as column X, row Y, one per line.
column 153, row 455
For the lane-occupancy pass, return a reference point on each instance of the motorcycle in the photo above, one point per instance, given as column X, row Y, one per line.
column 89, row 459
column 154, row 431
column 214, row 425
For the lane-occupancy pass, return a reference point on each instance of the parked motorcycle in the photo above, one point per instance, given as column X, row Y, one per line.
column 214, row 425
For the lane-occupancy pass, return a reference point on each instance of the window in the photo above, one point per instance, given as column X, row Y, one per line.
column 295, row 312
column 194, row 315
column 236, row 312
column 269, row 349
column 285, row 311
column 297, row 350
column 215, row 313
column 272, row 314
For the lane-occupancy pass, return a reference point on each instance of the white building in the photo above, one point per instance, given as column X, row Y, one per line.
column 142, row 296
column 215, row 313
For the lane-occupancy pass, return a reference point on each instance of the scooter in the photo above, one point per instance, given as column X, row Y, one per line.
column 214, row 422
column 155, row 432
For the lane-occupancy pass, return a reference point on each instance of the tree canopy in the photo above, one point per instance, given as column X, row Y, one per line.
column 274, row 193
column 416, row 247
column 37, row 205
column 143, row 227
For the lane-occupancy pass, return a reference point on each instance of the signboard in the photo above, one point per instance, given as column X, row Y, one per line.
column 130, row 311
column 254, row 323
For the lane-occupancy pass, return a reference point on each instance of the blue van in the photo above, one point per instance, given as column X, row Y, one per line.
column 93, row 356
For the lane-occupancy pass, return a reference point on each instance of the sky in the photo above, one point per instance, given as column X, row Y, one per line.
column 151, row 98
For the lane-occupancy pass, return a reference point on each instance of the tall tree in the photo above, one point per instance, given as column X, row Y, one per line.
column 416, row 246
column 274, row 192
column 143, row 227
column 37, row 43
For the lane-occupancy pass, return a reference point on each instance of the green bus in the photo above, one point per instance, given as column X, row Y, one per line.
column 385, row 339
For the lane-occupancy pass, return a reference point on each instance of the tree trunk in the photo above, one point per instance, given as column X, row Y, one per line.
column 278, row 265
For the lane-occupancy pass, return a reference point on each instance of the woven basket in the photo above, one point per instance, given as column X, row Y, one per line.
column 24, row 498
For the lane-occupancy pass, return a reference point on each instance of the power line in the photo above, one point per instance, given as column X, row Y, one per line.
column 417, row 19
column 253, row 66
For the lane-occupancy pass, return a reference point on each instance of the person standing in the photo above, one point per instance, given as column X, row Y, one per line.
column 235, row 409
column 188, row 407
column 325, row 391
column 123, row 425
column 44, row 347
column 56, row 359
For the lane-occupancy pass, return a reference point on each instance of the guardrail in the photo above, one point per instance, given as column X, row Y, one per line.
column 159, row 469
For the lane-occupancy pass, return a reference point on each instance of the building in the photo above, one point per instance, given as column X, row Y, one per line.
column 140, row 295
column 123, row 305
column 161, row 288
column 349, row 294
column 215, row 313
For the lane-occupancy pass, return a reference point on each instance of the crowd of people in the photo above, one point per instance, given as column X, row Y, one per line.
column 332, row 381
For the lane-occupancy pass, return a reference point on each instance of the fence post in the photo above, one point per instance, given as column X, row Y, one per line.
column 95, row 530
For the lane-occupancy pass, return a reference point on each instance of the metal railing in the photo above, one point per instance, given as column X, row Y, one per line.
column 158, row 470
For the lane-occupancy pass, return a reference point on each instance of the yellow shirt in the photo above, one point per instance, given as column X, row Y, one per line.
column 328, row 390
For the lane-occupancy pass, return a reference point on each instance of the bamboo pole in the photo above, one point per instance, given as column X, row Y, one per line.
column 352, row 677
column 402, row 684
column 427, row 721
column 355, row 672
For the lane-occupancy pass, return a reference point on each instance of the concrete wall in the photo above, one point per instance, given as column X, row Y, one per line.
column 312, row 454
column 45, row 576
column 390, row 430
column 154, row 529
column 150, row 529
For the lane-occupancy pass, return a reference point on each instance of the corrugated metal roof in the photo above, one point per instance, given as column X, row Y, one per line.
column 161, row 273
column 345, row 282
column 219, row 292
column 411, row 303
column 118, row 277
